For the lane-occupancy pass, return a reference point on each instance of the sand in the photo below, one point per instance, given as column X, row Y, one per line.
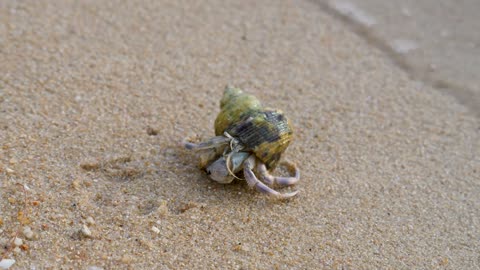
column 435, row 41
column 96, row 96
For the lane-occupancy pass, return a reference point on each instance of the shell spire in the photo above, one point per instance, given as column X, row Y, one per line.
column 233, row 105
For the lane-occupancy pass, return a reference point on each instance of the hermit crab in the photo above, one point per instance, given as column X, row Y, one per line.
column 250, row 140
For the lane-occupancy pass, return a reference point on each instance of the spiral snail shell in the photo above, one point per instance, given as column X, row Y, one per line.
column 266, row 132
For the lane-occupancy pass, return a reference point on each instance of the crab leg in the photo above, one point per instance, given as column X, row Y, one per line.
column 278, row 180
column 219, row 170
column 253, row 181
column 214, row 142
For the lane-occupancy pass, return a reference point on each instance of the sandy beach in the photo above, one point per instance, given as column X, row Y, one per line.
column 96, row 97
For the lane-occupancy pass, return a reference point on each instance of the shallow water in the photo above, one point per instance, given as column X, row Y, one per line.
column 434, row 41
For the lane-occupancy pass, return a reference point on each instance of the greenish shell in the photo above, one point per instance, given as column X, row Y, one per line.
column 263, row 131
column 233, row 106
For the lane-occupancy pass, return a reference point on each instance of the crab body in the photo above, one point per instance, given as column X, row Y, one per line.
column 248, row 137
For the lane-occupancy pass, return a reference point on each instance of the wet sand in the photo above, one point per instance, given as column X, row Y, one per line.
column 433, row 41
column 96, row 96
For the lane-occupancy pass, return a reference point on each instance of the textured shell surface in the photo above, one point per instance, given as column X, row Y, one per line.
column 263, row 131
column 234, row 104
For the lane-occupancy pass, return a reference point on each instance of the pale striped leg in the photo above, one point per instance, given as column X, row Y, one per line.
column 253, row 181
column 278, row 180
column 214, row 142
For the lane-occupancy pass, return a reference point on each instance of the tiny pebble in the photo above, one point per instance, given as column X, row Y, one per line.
column 76, row 184
column 86, row 231
column 90, row 221
column 155, row 229
column 6, row 263
column 90, row 165
column 29, row 235
column 126, row 259
column 18, row 242
column 163, row 208
column 17, row 250
column 28, row 232
column 9, row 171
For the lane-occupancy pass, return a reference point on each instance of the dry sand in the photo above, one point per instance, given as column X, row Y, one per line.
column 95, row 97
